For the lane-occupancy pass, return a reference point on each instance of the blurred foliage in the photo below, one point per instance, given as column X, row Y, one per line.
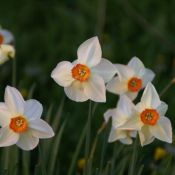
column 49, row 31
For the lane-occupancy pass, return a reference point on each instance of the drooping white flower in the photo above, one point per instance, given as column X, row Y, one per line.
column 6, row 37
column 85, row 78
column 131, row 78
column 122, row 113
column 20, row 121
column 6, row 52
column 150, row 120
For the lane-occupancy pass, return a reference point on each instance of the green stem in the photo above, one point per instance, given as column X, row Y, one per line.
column 14, row 72
column 88, row 134
column 167, row 87
column 102, row 127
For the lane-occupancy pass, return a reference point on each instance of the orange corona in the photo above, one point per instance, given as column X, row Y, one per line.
column 134, row 84
column 1, row 39
column 149, row 116
column 18, row 124
column 80, row 72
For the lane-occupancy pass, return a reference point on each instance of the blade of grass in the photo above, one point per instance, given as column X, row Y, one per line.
column 26, row 162
column 31, row 91
column 104, row 146
column 133, row 159
column 140, row 170
column 77, row 151
column 54, row 152
column 88, row 135
column 42, row 160
column 14, row 72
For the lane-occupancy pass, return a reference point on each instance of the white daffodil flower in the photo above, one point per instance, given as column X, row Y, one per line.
column 6, row 37
column 131, row 78
column 122, row 113
column 20, row 121
column 150, row 120
column 6, row 52
column 85, row 78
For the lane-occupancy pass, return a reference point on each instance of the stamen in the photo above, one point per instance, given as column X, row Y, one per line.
column 149, row 116
column 18, row 124
column 80, row 72
column 134, row 84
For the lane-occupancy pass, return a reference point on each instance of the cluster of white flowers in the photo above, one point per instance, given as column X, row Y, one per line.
column 90, row 75
column 7, row 49
column 20, row 120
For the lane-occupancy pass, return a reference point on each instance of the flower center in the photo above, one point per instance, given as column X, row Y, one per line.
column 1, row 38
column 80, row 72
column 149, row 116
column 134, row 84
column 18, row 124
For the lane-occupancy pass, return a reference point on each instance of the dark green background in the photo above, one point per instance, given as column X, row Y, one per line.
column 49, row 31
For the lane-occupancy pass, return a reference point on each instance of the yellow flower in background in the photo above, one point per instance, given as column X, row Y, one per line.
column 81, row 163
column 159, row 153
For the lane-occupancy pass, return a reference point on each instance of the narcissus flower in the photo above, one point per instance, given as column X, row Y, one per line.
column 131, row 78
column 6, row 48
column 6, row 52
column 85, row 78
column 20, row 121
column 124, row 110
column 150, row 120
column 6, row 37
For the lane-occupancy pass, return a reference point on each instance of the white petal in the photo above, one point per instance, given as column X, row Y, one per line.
column 133, row 134
column 8, row 37
column 162, row 108
column 124, row 72
column 4, row 115
column 95, row 89
column 76, row 92
column 145, row 136
column 116, row 134
column 147, row 77
column 105, row 69
column 8, row 137
column 126, row 106
column 117, row 86
column 133, row 123
column 118, row 118
column 140, row 107
column 150, row 97
column 40, row 129
column 6, row 52
column 14, row 100
column 32, row 109
column 137, row 65
column 108, row 114
column 89, row 52
column 62, row 73
column 27, row 141
column 162, row 130
column 126, row 141
column 131, row 95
